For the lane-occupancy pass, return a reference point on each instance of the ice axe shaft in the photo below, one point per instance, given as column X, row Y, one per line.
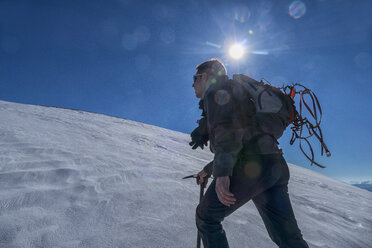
column 198, row 239
column 200, row 197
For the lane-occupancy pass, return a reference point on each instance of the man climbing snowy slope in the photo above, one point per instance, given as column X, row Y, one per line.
column 247, row 163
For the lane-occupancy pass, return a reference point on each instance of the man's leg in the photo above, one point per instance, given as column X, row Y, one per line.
column 276, row 211
column 249, row 179
column 209, row 215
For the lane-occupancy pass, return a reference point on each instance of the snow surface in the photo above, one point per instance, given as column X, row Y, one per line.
column 77, row 179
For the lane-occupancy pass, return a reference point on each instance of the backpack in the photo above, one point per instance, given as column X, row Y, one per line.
column 276, row 110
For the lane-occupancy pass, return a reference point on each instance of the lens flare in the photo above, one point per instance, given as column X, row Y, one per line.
column 297, row 9
column 236, row 51
column 242, row 14
column 213, row 44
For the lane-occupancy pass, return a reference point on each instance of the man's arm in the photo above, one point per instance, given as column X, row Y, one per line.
column 208, row 168
column 228, row 109
column 228, row 144
column 226, row 130
column 204, row 174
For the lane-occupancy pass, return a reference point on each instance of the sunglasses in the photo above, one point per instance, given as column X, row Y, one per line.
column 196, row 76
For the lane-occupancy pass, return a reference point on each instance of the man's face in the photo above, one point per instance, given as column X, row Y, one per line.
column 200, row 84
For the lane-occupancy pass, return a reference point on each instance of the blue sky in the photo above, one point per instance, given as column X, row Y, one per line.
column 135, row 59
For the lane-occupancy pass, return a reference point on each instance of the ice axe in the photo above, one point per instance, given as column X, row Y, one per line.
column 200, row 197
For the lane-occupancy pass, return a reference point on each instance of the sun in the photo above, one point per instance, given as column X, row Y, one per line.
column 237, row 51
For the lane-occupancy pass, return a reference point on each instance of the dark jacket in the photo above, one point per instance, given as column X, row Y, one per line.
column 228, row 109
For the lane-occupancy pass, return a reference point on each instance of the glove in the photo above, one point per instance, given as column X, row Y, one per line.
column 199, row 137
column 198, row 140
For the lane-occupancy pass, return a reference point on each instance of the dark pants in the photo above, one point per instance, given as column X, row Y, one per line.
column 263, row 179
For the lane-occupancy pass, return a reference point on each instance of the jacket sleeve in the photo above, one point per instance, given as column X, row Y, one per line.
column 225, row 129
column 227, row 147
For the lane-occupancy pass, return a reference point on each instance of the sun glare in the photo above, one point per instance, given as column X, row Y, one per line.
column 236, row 51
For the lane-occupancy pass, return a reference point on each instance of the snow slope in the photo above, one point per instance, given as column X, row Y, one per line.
column 72, row 179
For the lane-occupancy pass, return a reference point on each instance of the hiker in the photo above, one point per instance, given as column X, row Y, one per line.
column 247, row 164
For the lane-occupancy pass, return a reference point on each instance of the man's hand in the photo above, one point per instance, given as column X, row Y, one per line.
column 203, row 178
column 222, row 189
column 199, row 137
column 198, row 140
